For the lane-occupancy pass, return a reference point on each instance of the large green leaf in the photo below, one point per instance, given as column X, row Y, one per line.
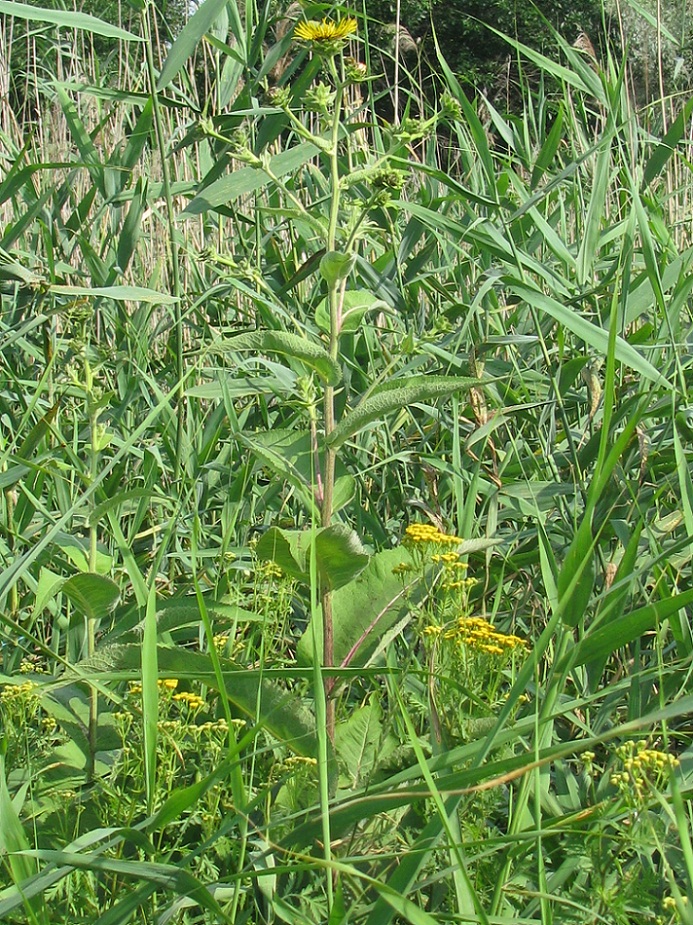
column 393, row 396
column 292, row 345
column 365, row 609
column 93, row 595
column 68, row 18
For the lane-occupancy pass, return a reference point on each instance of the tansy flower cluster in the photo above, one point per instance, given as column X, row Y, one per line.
column 164, row 684
column 193, row 701
column 643, row 769
column 418, row 535
column 478, row 634
column 14, row 693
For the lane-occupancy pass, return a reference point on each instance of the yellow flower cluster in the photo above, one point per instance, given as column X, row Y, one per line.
column 643, row 769
column 428, row 535
column 28, row 666
column 449, row 559
column 14, row 693
column 477, row 633
column 164, row 684
column 193, row 701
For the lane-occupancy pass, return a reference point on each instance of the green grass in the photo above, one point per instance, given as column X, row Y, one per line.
column 247, row 339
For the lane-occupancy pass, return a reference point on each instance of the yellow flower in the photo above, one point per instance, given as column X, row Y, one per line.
column 327, row 37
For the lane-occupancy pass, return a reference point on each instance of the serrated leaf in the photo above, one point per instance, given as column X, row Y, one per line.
column 291, row 345
column 394, row 396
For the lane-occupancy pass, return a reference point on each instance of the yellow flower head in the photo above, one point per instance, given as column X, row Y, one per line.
column 326, row 37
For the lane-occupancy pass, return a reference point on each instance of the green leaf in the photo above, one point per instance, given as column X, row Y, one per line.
column 117, row 293
column 71, row 20
column 291, row 345
column 336, row 266
column 186, row 43
column 394, row 396
column 366, row 608
column 576, row 578
column 667, row 146
column 339, row 554
column 357, row 742
column 625, row 629
column 287, row 453
column 354, row 306
column 288, row 549
column 76, row 548
column 49, row 584
column 166, row 876
column 150, row 696
column 93, row 595
column 13, row 838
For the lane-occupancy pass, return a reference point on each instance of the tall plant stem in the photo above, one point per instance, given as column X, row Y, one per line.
column 330, row 458
column 173, row 249
column 93, row 412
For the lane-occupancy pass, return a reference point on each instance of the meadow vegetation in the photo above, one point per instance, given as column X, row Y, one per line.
column 347, row 515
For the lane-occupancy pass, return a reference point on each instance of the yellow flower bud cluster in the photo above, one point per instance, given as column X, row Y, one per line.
column 477, row 633
column 428, row 535
column 644, row 769
column 19, row 693
column 192, row 701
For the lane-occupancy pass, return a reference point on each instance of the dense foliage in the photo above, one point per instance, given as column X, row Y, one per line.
column 346, row 514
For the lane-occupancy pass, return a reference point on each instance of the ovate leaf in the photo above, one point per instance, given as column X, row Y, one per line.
column 355, row 305
column 93, row 595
